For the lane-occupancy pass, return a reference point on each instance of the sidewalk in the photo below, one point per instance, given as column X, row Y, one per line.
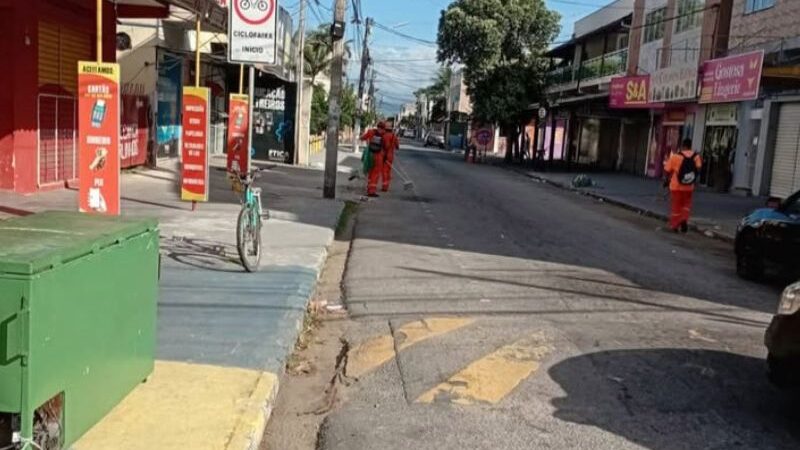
column 223, row 334
column 715, row 214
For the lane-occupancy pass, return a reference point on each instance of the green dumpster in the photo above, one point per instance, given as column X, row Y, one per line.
column 78, row 297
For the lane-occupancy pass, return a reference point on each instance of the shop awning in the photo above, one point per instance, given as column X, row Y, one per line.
column 214, row 17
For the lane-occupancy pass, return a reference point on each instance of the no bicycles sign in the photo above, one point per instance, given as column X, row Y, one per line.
column 251, row 31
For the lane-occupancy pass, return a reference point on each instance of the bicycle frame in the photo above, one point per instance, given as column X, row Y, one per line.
column 252, row 199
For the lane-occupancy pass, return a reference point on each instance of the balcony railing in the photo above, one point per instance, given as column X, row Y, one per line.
column 562, row 75
column 602, row 66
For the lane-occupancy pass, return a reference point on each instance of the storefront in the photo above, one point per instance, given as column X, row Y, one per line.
column 719, row 146
column 727, row 88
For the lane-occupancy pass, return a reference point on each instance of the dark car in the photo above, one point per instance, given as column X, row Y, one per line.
column 770, row 237
column 783, row 339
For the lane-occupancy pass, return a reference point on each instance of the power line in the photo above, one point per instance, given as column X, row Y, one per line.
column 403, row 35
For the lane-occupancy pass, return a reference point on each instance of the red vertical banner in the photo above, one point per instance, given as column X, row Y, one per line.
column 98, row 137
column 194, row 145
column 238, row 138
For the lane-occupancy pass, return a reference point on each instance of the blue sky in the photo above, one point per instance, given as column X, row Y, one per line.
column 407, row 64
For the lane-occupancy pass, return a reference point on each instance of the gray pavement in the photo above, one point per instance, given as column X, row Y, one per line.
column 490, row 311
column 718, row 213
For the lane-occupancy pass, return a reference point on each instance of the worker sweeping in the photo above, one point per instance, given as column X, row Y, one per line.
column 683, row 168
column 381, row 142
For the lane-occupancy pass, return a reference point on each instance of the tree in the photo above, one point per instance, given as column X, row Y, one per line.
column 319, row 111
column 317, row 52
column 348, row 107
column 499, row 43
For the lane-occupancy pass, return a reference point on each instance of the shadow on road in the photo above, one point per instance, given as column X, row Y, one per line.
column 676, row 398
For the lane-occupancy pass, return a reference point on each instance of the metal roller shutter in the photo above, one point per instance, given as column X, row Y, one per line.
column 786, row 163
column 60, row 49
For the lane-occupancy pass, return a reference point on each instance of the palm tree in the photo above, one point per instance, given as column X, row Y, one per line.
column 318, row 52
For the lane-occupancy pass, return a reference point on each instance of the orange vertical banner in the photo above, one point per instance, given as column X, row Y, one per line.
column 98, row 137
column 238, row 139
column 194, row 145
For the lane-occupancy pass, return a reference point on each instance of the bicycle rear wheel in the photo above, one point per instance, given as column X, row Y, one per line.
column 248, row 238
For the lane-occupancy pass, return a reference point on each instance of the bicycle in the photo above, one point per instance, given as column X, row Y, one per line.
column 249, row 222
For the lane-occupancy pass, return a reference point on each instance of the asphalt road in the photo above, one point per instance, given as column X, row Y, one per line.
column 489, row 311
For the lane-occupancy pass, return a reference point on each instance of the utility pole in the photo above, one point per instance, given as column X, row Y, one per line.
column 300, row 77
column 334, row 106
column 361, row 79
column 447, row 107
column 372, row 92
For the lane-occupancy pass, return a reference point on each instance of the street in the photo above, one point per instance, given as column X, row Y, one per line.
column 487, row 310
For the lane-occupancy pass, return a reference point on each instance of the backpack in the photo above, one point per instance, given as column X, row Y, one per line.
column 376, row 143
column 687, row 173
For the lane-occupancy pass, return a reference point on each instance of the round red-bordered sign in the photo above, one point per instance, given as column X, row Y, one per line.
column 264, row 14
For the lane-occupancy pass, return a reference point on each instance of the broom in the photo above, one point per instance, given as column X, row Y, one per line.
column 407, row 183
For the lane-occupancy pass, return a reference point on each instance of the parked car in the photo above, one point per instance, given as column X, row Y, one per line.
column 408, row 133
column 434, row 140
column 769, row 237
column 783, row 339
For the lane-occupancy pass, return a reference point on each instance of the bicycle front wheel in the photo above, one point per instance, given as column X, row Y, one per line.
column 248, row 238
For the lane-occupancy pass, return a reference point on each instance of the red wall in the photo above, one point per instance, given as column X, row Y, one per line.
column 19, row 82
column 6, row 105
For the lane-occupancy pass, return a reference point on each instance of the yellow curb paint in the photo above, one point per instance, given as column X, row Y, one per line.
column 375, row 352
column 491, row 378
column 187, row 406
column 249, row 431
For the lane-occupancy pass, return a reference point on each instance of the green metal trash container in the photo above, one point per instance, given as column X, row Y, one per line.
column 78, row 298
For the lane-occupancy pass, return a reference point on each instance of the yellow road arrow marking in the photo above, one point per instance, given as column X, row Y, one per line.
column 493, row 377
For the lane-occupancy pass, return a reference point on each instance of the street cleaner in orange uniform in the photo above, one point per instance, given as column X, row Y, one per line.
column 683, row 168
column 381, row 143
column 388, row 158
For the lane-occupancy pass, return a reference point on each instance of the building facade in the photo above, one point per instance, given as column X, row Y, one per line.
column 574, row 125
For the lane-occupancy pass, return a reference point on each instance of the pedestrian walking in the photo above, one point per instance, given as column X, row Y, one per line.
column 683, row 169
column 382, row 143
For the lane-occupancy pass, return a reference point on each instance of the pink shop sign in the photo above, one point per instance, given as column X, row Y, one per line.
column 732, row 79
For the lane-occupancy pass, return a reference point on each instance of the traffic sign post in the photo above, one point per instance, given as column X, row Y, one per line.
column 252, row 29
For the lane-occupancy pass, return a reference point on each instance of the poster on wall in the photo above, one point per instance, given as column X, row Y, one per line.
column 238, row 139
column 135, row 133
column 98, row 137
column 194, row 144
column 273, row 127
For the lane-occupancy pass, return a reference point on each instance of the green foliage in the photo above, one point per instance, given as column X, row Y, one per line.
column 499, row 43
column 409, row 121
column 347, row 119
column 319, row 111
column 317, row 52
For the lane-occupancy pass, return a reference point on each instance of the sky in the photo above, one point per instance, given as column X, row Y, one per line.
column 404, row 65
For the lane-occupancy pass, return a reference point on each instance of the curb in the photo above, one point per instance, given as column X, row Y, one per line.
column 705, row 231
column 255, row 415
column 257, row 411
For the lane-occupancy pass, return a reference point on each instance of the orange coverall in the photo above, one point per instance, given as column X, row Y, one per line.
column 680, row 194
column 382, row 166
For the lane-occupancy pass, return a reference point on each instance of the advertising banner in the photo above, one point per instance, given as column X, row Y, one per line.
column 98, row 137
column 194, row 145
column 238, row 139
column 252, row 29
column 630, row 93
column 135, row 130
column 673, row 84
column 732, row 79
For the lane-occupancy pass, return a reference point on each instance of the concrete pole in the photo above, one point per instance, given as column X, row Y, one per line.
column 334, row 108
column 361, row 81
column 99, row 36
column 300, row 77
